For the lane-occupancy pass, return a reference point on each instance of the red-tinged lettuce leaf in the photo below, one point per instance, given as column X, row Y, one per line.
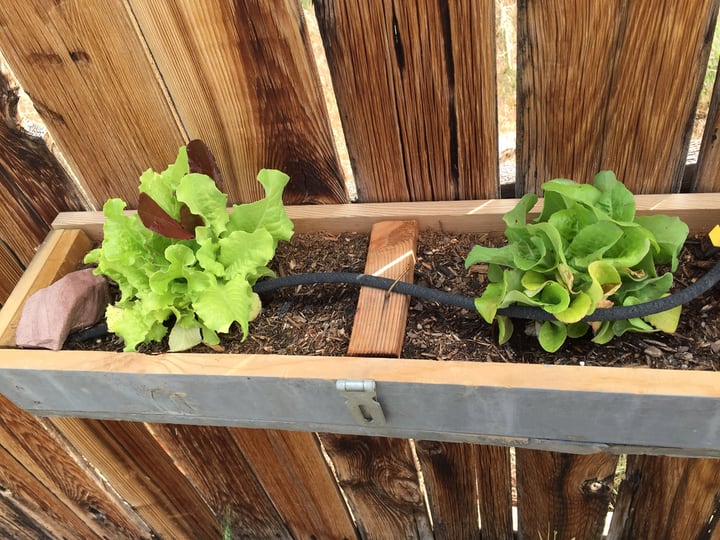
column 158, row 220
column 202, row 160
column 189, row 221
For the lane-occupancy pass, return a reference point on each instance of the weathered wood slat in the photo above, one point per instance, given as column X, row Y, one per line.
column 380, row 317
column 212, row 462
column 10, row 272
column 143, row 474
column 495, row 492
column 291, row 468
column 380, row 481
column 36, row 500
column 74, row 485
column 609, row 86
column 18, row 523
column 450, row 473
column 243, row 79
column 707, row 172
column 29, row 169
column 562, row 496
column 418, row 108
column 33, row 189
column 88, row 73
column 664, row 497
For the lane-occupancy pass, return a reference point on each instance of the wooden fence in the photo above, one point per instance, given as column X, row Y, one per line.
column 121, row 84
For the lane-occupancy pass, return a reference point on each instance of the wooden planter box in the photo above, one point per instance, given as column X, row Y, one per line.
column 568, row 408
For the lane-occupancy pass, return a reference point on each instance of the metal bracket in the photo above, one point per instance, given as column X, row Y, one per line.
column 361, row 401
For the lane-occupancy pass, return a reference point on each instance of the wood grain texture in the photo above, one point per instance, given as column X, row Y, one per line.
column 609, row 86
column 30, row 169
column 33, row 189
column 450, row 476
column 415, row 84
column 88, row 73
column 495, row 492
column 664, row 498
column 11, row 270
column 562, row 496
column 293, row 471
column 698, row 210
column 380, row 482
column 379, row 323
column 244, row 80
column 212, row 462
column 143, row 474
column 66, row 475
column 707, row 172
column 17, row 522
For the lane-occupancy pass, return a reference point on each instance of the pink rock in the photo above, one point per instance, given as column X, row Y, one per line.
column 75, row 301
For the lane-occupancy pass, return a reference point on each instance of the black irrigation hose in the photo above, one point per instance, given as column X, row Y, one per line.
column 619, row 313
column 705, row 283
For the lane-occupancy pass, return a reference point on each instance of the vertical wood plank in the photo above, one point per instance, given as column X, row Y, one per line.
column 43, row 455
column 88, row 73
column 609, row 86
column 243, row 78
column 495, row 492
column 667, row 497
column 10, row 272
column 707, row 172
column 380, row 318
column 380, row 481
column 212, row 462
column 415, row 85
column 450, row 475
column 562, row 496
column 291, row 468
column 143, row 474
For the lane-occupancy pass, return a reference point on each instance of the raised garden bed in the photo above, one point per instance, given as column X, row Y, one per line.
column 565, row 407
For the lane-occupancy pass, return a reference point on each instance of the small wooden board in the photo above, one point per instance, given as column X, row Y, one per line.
column 380, row 318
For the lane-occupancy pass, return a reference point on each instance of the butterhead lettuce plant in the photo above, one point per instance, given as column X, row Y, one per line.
column 185, row 258
column 586, row 250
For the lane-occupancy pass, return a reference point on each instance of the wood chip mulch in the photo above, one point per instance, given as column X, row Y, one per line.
column 317, row 319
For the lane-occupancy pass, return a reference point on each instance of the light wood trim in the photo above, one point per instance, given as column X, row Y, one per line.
column 58, row 255
column 638, row 381
column 698, row 210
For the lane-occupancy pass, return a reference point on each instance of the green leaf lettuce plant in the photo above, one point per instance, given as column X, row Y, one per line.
column 586, row 250
column 187, row 260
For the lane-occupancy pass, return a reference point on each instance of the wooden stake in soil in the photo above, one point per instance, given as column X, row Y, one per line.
column 380, row 318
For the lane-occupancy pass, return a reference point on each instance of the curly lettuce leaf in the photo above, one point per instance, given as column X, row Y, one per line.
column 205, row 281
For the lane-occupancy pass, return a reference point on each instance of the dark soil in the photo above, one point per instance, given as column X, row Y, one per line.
column 317, row 319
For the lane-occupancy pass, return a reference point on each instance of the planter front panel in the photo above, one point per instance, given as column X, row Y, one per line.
column 514, row 415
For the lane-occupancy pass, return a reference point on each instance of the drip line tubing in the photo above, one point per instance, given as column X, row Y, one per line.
column 702, row 285
column 705, row 283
